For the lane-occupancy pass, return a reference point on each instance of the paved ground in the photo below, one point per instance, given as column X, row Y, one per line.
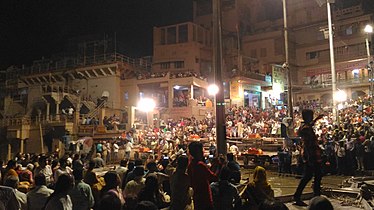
column 285, row 186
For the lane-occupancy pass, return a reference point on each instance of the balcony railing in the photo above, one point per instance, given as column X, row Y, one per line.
column 342, row 83
column 25, row 120
column 74, row 62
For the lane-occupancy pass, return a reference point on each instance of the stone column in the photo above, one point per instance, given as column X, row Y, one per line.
column 58, row 110
column 48, row 112
column 192, row 93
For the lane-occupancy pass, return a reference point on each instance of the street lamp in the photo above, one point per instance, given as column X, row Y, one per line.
column 213, row 89
column 340, row 96
column 147, row 105
column 369, row 30
column 286, row 65
column 332, row 55
column 218, row 66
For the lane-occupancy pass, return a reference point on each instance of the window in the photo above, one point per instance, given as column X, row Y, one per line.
column 349, row 30
column 263, row 52
column 179, row 64
column 254, row 53
column 172, row 35
column 162, row 41
column 126, row 96
column 311, row 55
column 165, row 65
column 183, row 33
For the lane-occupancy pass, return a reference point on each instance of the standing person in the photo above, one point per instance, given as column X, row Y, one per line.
column 180, row 186
column 340, row 156
column 99, row 148
column 105, row 152
column 295, row 154
column 109, row 150
column 37, row 197
column 115, row 151
column 128, row 148
column 311, row 154
column 60, row 200
column 81, row 194
column 45, row 169
column 200, row 177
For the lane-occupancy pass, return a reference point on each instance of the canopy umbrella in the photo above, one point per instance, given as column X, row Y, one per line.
column 87, row 143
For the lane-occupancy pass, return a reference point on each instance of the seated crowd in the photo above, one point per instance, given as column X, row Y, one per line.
column 177, row 182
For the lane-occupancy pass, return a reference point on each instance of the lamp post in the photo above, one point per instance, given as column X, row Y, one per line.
column 286, row 65
column 213, row 89
column 340, row 96
column 217, row 66
column 369, row 30
column 332, row 55
column 147, row 105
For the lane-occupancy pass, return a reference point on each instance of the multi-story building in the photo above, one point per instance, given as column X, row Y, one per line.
column 309, row 46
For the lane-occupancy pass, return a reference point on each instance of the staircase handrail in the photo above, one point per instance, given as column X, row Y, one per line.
column 95, row 111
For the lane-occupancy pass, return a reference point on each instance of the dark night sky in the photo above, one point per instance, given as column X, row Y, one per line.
column 30, row 29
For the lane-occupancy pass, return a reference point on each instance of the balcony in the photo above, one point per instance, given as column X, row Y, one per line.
column 349, row 12
column 362, row 81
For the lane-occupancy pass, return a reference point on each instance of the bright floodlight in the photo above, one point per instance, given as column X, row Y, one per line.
column 368, row 29
column 213, row 89
column 341, row 96
column 146, row 104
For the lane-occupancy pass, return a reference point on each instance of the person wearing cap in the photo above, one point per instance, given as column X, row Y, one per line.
column 311, row 154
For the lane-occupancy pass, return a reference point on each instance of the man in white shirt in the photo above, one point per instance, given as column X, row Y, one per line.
column 128, row 148
column 13, row 182
column 115, row 151
column 37, row 198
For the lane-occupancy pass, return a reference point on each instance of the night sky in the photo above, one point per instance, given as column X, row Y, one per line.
column 30, row 29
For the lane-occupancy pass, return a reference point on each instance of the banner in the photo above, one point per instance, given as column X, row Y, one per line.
column 279, row 76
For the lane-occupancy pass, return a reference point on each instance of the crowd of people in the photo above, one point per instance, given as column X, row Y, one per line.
column 182, row 181
column 172, row 176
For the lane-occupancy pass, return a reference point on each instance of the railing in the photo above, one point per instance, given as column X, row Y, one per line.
column 251, row 75
column 361, row 80
column 18, row 121
column 74, row 62
column 341, row 13
column 95, row 112
column 15, row 121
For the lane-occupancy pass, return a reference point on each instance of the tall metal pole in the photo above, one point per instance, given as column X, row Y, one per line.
column 369, row 66
column 217, row 66
column 332, row 60
column 287, row 62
